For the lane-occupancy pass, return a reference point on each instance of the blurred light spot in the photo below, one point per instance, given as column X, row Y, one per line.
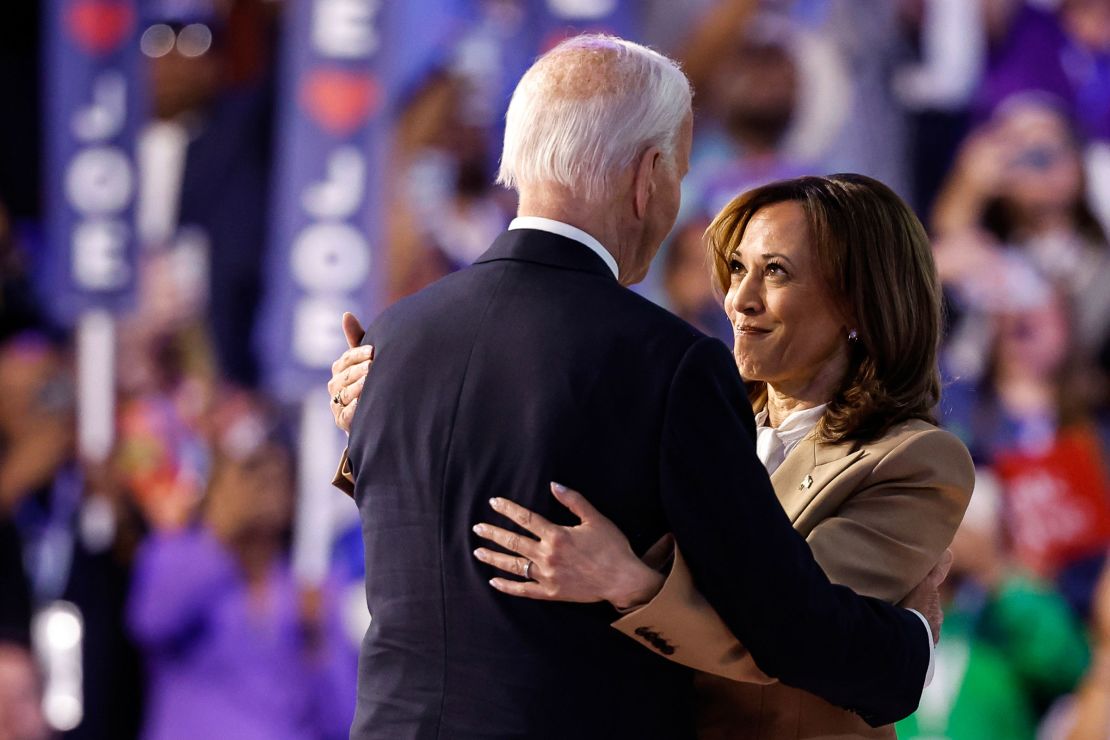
column 62, row 711
column 157, row 41
column 63, row 630
column 194, row 40
column 582, row 9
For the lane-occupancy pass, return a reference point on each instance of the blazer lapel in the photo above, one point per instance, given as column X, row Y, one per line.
column 808, row 469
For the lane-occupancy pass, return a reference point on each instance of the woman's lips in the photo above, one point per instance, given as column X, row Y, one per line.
column 752, row 331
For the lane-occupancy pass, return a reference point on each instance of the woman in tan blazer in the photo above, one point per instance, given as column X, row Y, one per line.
column 877, row 517
column 830, row 285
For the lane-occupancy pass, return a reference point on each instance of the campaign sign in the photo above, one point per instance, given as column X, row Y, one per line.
column 326, row 225
column 92, row 112
column 1057, row 501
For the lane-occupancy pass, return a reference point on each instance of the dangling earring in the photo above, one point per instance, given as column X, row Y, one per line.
column 853, row 336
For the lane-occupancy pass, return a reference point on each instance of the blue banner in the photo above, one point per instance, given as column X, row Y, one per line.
column 325, row 252
column 92, row 112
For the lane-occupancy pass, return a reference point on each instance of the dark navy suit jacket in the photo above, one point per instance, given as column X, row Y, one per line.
column 535, row 365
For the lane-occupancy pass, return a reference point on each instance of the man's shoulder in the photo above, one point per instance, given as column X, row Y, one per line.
column 454, row 290
column 474, row 286
column 638, row 302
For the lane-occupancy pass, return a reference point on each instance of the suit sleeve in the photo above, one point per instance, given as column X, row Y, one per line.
column 887, row 537
column 757, row 573
column 881, row 543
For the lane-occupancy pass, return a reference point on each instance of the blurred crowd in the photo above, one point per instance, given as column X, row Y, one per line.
column 991, row 117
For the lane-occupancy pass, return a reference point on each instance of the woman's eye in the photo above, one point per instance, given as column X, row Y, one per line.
column 734, row 266
column 774, row 268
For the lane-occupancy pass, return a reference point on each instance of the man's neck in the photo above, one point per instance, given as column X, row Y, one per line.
column 600, row 223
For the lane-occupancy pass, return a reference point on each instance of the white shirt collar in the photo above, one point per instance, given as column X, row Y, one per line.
column 570, row 232
column 793, row 429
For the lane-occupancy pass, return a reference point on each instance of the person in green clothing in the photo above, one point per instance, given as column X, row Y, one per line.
column 1011, row 644
column 975, row 693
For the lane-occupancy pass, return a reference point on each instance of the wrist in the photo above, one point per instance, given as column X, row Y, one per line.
column 638, row 585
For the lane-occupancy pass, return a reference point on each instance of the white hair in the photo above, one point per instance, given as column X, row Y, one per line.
column 587, row 109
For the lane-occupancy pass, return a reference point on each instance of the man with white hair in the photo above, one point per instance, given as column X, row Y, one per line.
column 537, row 365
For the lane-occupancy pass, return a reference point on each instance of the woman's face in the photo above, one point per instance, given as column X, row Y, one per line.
column 788, row 329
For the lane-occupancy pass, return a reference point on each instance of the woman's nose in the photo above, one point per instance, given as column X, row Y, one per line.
column 744, row 298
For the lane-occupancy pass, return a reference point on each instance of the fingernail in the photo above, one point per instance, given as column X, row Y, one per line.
column 558, row 487
column 478, row 529
column 371, row 351
column 495, row 503
column 479, row 554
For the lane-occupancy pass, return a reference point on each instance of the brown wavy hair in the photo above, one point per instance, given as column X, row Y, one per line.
column 876, row 260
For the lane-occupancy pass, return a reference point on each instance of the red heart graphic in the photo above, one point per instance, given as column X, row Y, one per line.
column 338, row 100
column 99, row 27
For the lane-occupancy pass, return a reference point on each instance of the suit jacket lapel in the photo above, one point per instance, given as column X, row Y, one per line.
column 808, row 469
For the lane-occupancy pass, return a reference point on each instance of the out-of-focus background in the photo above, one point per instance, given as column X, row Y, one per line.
column 192, row 191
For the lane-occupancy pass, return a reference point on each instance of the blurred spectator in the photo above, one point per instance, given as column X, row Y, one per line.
column 1028, row 421
column 36, row 438
column 235, row 648
column 949, row 40
column 1087, row 715
column 164, row 346
column 862, row 57
column 446, row 212
column 687, row 286
column 1010, row 644
column 66, row 528
column 1018, row 184
column 1064, row 54
column 20, row 695
column 752, row 89
column 204, row 166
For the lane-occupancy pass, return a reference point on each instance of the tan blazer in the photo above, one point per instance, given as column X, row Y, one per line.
column 877, row 517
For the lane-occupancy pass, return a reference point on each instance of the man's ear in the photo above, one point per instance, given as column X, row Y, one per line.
column 643, row 183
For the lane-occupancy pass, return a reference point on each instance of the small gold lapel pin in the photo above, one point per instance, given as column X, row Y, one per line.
column 806, row 482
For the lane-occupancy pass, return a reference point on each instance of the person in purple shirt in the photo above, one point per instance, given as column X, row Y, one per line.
column 1064, row 54
column 234, row 647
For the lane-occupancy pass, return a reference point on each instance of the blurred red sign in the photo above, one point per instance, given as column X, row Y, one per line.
column 1057, row 501
column 100, row 26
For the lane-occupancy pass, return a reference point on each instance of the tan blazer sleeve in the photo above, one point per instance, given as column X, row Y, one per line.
column 681, row 625
column 881, row 542
column 344, row 479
